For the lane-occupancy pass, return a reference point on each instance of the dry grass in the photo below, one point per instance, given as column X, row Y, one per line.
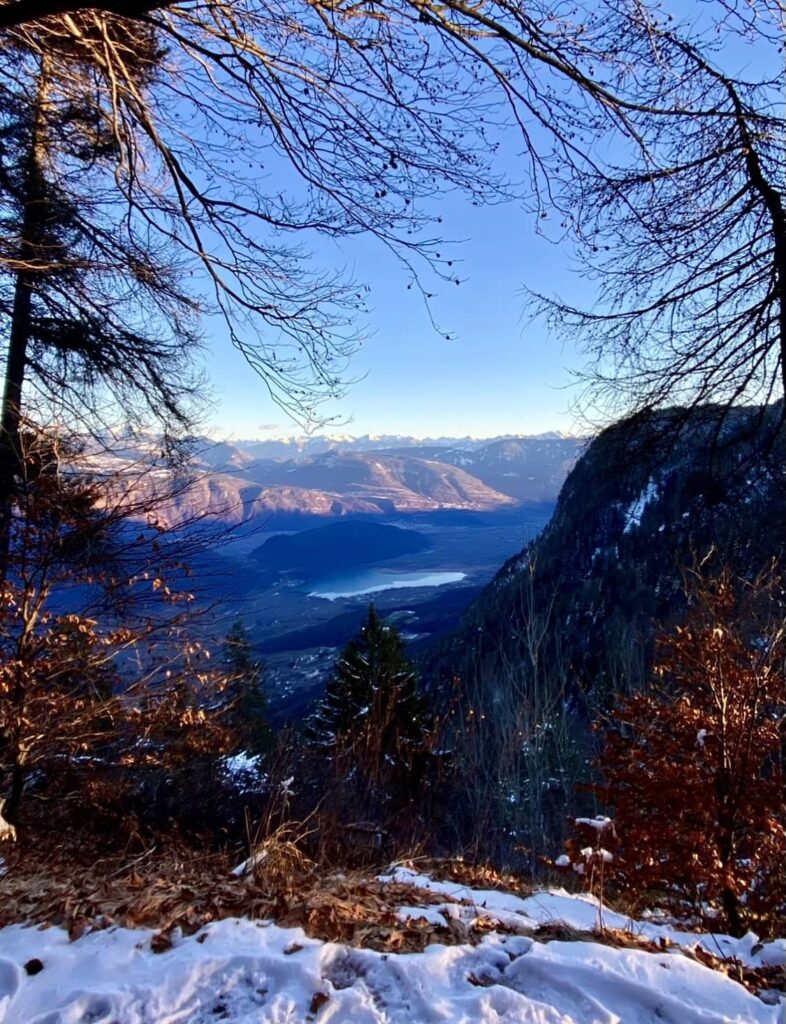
column 157, row 889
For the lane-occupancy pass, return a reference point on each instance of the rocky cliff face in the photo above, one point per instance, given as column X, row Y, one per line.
column 637, row 509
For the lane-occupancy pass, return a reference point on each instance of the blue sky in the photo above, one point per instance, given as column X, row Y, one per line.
column 501, row 374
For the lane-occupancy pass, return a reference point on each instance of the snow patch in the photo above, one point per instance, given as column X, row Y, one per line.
column 636, row 508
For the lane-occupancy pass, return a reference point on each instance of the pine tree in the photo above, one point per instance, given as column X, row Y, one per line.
column 92, row 314
column 372, row 721
column 245, row 690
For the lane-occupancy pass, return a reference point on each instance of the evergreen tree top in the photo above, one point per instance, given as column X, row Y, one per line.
column 372, row 678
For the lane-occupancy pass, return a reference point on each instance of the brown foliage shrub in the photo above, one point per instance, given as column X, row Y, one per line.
column 694, row 768
column 101, row 681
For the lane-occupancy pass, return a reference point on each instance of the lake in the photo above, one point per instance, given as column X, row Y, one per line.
column 372, row 581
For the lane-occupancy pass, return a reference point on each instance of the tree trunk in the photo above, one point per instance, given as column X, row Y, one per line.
column 731, row 907
column 32, row 262
column 727, row 853
column 773, row 200
column 11, row 811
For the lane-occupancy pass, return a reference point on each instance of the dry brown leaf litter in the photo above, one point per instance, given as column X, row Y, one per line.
column 173, row 890
column 186, row 890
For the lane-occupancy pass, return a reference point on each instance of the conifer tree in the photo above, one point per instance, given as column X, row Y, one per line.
column 245, row 689
column 372, row 721
column 92, row 316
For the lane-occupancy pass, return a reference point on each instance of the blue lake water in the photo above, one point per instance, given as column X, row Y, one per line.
column 372, row 581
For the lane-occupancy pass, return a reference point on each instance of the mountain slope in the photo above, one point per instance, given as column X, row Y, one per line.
column 232, row 482
column 528, row 469
column 337, row 547
column 391, row 481
column 608, row 567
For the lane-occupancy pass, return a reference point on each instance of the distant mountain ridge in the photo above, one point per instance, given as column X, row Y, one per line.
column 236, row 482
column 292, row 447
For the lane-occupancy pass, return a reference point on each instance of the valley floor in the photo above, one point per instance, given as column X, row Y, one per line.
column 525, row 959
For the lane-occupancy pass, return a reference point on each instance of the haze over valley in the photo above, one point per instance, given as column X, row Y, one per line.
column 321, row 526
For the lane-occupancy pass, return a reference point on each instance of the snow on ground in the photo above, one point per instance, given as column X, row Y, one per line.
column 245, row 972
column 581, row 911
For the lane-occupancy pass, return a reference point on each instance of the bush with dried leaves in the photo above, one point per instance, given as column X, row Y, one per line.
column 694, row 768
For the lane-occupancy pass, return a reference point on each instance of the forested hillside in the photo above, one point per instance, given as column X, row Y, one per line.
column 545, row 652
column 640, row 507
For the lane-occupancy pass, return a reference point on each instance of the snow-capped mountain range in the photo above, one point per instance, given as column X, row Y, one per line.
column 294, row 446
column 336, row 476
